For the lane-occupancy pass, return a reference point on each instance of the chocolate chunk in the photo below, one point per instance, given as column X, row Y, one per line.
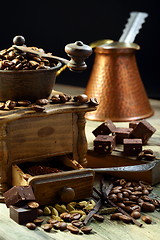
column 22, row 215
column 104, row 144
column 18, row 194
column 122, row 133
column 133, row 124
column 105, row 128
column 132, row 146
column 143, row 130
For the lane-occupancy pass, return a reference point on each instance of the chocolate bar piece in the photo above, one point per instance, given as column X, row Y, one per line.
column 104, row 144
column 122, row 133
column 23, row 215
column 133, row 124
column 104, row 129
column 132, row 146
column 143, row 130
column 18, row 194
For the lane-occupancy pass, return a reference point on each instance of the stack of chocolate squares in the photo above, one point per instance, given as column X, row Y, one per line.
column 108, row 135
column 21, row 202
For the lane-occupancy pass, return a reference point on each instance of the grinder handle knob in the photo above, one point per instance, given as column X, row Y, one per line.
column 78, row 52
column 19, row 40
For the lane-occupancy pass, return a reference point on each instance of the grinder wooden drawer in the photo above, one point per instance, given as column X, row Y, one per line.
column 49, row 187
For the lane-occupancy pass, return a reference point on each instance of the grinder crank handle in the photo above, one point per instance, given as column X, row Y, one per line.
column 77, row 51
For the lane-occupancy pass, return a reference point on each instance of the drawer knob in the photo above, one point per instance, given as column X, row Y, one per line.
column 67, row 194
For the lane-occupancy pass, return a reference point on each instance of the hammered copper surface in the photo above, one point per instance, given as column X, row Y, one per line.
column 116, row 83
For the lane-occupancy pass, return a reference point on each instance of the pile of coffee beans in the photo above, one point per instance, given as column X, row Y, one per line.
column 133, row 198
column 39, row 105
column 11, row 59
column 65, row 217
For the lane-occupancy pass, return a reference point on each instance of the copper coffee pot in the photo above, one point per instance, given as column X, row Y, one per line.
column 115, row 80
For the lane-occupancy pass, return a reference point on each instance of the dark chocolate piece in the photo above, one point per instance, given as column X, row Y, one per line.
column 18, row 194
column 133, row 124
column 143, row 130
column 104, row 144
column 23, row 215
column 132, row 146
column 104, row 129
column 122, row 133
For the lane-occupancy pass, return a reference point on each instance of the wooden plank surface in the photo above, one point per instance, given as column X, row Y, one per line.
column 108, row 230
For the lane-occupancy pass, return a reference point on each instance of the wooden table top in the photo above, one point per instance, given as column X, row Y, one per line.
column 108, row 230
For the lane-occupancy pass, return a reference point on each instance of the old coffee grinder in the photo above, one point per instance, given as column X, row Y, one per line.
column 115, row 80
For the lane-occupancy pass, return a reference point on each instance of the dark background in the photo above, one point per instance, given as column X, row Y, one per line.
column 53, row 24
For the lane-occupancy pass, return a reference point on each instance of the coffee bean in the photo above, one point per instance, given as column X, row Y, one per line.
column 38, row 108
column 75, row 216
column 24, row 103
column 2, row 106
column 146, row 219
column 115, row 216
column 63, row 98
column 33, row 204
column 31, row 226
column 77, row 223
column 42, row 101
column 10, row 104
column 86, row 229
column 113, row 197
column 62, row 226
column 98, row 217
column 125, row 219
column 72, row 229
column 38, row 221
column 65, row 216
column 52, row 221
column 128, row 209
column 135, row 214
column 46, row 227
column 148, row 207
column 82, row 98
column 93, row 102
column 55, row 99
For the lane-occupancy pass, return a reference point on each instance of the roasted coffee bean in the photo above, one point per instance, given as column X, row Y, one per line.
column 10, row 104
column 82, row 98
column 98, row 217
column 2, row 106
column 72, row 229
column 120, row 204
column 56, row 225
column 145, row 192
column 63, row 98
column 42, row 101
column 86, row 229
column 77, row 223
column 145, row 198
column 120, row 197
column 133, row 197
column 31, row 226
column 52, row 221
column 128, row 209
column 138, row 188
column 65, row 216
column 136, row 208
column 62, row 226
column 46, row 227
column 135, row 214
column 93, row 102
column 75, row 216
column 113, row 197
column 125, row 194
column 146, row 219
column 117, row 187
column 115, row 216
column 38, row 221
column 115, row 191
column 128, row 184
column 38, row 108
column 125, row 218
column 148, row 207
column 33, row 204
column 55, row 99
column 129, row 202
column 24, row 103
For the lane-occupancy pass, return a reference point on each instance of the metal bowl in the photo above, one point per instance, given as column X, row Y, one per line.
column 27, row 84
